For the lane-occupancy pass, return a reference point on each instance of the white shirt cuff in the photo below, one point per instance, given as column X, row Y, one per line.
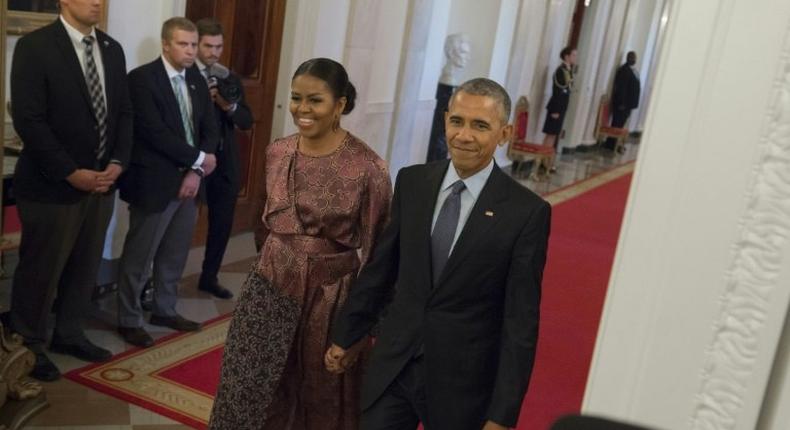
column 199, row 161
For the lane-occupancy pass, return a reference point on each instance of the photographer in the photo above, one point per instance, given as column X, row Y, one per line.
column 222, row 187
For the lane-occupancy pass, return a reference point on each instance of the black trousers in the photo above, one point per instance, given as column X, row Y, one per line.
column 619, row 118
column 59, row 256
column 221, row 195
column 403, row 405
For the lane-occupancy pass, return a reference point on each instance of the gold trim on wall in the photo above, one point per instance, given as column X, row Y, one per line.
column 20, row 22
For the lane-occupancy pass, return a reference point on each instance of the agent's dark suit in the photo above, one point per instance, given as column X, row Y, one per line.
column 625, row 97
column 160, row 225
column 63, row 228
column 222, row 187
column 475, row 331
column 161, row 154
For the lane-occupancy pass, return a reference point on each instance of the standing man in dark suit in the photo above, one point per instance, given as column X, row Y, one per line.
column 462, row 259
column 223, row 186
column 625, row 94
column 175, row 134
column 70, row 106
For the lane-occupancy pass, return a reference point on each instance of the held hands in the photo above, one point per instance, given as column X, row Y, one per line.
column 93, row 181
column 209, row 163
column 189, row 186
column 219, row 100
column 338, row 360
column 555, row 115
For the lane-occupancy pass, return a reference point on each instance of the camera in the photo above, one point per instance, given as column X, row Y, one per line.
column 218, row 78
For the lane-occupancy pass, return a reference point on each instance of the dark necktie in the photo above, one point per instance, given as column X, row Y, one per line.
column 444, row 230
column 97, row 95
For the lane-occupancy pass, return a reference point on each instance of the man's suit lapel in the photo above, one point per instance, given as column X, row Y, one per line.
column 166, row 89
column 73, row 68
column 484, row 215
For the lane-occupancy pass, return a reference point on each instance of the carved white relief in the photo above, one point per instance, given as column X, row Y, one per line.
column 754, row 271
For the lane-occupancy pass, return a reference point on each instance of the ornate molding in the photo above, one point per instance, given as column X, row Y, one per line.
column 752, row 278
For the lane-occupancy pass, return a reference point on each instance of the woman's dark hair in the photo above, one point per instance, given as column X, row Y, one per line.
column 335, row 76
column 565, row 52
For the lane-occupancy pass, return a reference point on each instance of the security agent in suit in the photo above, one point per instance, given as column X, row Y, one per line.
column 175, row 134
column 625, row 94
column 464, row 256
column 71, row 108
column 222, row 187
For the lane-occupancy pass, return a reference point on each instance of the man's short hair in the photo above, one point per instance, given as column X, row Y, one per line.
column 176, row 23
column 488, row 88
column 208, row 27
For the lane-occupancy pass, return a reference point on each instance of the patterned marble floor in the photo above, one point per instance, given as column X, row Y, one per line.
column 73, row 406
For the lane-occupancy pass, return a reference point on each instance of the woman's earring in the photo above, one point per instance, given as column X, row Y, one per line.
column 336, row 123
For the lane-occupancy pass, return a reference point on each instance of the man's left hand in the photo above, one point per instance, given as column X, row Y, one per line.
column 189, row 186
column 490, row 425
column 219, row 100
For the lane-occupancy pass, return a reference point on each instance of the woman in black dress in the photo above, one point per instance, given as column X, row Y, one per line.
column 560, row 95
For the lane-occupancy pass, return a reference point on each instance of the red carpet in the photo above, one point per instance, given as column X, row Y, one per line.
column 178, row 376
column 583, row 238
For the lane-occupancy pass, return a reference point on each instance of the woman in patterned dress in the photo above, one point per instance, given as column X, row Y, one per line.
column 328, row 197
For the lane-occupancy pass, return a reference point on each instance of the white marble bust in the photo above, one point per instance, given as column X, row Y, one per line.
column 457, row 51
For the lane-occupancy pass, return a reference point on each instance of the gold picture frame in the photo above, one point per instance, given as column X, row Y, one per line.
column 22, row 22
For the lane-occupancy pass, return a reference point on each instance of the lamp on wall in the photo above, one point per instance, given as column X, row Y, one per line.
column 587, row 3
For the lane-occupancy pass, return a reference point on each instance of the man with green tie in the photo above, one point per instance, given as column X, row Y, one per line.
column 175, row 136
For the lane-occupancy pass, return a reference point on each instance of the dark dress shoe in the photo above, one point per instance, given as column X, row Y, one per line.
column 217, row 290
column 136, row 336
column 44, row 369
column 82, row 349
column 176, row 322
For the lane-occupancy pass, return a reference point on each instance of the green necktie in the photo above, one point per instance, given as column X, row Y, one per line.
column 182, row 106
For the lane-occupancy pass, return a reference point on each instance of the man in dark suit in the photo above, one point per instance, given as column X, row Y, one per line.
column 175, row 134
column 625, row 94
column 462, row 259
column 223, row 186
column 70, row 106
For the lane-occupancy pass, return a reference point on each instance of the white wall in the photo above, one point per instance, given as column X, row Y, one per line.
column 700, row 286
column 137, row 26
column 387, row 53
column 478, row 20
column 435, row 59
column 503, row 40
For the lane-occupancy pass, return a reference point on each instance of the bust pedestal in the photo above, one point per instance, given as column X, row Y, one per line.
column 437, row 145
